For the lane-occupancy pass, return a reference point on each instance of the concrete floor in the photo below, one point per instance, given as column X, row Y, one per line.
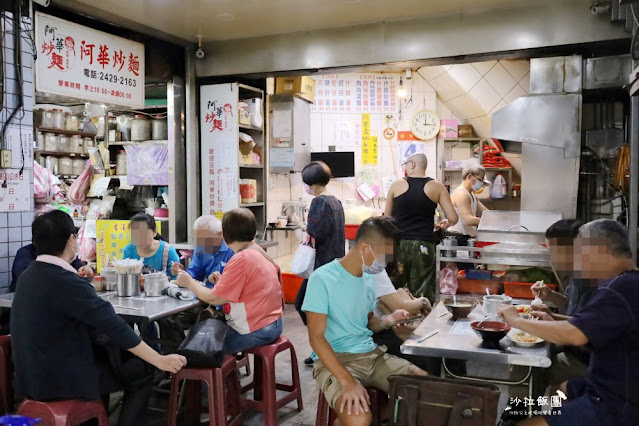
column 289, row 416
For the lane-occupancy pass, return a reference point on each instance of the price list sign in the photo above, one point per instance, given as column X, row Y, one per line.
column 356, row 93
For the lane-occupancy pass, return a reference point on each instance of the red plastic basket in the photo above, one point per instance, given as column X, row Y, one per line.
column 291, row 284
column 522, row 290
column 351, row 231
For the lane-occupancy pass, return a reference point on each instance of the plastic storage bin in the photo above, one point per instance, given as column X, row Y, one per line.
column 521, row 290
column 291, row 284
column 351, row 231
column 476, row 274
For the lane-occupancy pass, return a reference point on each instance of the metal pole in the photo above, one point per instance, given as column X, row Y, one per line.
column 633, row 201
column 193, row 194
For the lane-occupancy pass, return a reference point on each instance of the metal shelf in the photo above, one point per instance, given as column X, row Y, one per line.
column 251, row 166
column 66, row 132
column 539, row 264
column 251, row 89
column 60, row 154
column 252, row 205
column 249, row 127
column 67, row 176
column 463, row 139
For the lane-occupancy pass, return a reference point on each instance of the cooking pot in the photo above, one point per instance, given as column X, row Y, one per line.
column 128, row 285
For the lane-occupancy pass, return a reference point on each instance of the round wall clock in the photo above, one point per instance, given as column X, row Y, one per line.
column 425, row 124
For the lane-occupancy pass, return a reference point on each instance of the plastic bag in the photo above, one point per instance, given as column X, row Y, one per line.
column 204, row 345
column 42, row 184
column 448, row 279
column 87, row 246
column 79, row 188
column 304, row 259
column 147, row 164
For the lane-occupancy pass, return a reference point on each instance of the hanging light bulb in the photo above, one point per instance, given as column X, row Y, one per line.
column 401, row 92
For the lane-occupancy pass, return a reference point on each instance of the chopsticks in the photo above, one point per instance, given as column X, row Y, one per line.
column 431, row 334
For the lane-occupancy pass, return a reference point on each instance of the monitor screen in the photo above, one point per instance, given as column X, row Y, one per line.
column 342, row 164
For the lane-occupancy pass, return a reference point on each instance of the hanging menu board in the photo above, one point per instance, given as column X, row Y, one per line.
column 80, row 62
column 220, row 148
column 356, row 93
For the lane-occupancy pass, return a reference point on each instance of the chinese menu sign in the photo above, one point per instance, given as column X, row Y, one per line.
column 15, row 196
column 369, row 143
column 356, row 93
column 80, row 62
column 219, row 148
column 111, row 238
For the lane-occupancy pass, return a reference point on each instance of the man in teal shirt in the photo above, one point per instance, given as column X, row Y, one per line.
column 211, row 253
column 339, row 305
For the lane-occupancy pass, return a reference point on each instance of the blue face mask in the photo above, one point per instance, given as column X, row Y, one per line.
column 377, row 267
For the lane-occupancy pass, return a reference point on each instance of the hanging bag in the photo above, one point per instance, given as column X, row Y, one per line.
column 420, row 400
column 304, row 260
column 203, row 347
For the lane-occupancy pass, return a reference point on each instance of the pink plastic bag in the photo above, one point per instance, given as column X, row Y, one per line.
column 80, row 187
column 42, row 184
column 448, row 279
column 87, row 246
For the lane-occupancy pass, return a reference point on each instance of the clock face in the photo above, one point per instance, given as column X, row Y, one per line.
column 425, row 124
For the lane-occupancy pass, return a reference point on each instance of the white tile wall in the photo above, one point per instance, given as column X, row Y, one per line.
column 516, row 68
column 500, row 79
column 515, row 93
column 485, row 95
column 465, row 75
column 484, row 67
column 446, row 87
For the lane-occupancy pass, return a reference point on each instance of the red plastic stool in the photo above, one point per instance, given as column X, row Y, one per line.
column 215, row 378
column 243, row 362
column 64, row 413
column 6, row 374
column 326, row 416
column 264, row 385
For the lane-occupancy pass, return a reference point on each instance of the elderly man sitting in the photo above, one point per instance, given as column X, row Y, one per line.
column 609, row 324
column 211, row 254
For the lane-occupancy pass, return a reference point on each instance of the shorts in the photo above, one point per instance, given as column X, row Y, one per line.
column 565, row 366
column 370, row 369
column 584, row 408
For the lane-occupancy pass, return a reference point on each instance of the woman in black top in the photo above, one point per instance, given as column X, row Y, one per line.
column 325, row 223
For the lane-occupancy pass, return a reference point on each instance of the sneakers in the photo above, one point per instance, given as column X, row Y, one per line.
column 309, row 361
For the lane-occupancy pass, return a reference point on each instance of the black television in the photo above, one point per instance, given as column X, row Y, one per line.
column 342, row 164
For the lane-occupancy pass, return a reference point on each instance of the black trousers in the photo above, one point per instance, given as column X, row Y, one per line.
column 299, row 301
column 135, row 378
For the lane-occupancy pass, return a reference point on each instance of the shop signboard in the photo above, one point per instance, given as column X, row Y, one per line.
column 111, row 238
column 80, row 62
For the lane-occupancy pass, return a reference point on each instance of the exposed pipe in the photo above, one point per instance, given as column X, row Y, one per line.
column 634, row 175
column 17, row 63
column 193, row 198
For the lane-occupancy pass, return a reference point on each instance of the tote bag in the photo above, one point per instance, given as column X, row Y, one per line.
column 304, row 260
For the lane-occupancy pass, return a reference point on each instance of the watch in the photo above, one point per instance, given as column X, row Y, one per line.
column 425, row 124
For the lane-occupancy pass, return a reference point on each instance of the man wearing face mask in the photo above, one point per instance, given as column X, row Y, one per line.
column 57, row 319
column 211, row 254
column 469, row 209
column 339, row 304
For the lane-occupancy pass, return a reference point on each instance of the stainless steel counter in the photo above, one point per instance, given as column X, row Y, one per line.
column 447, row 344
column 140, row 308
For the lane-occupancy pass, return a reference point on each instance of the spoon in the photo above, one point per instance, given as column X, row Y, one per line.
column 455, row 299
column 485, row 318
column 487, row 292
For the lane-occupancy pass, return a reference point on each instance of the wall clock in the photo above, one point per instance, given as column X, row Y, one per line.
column 425, row 124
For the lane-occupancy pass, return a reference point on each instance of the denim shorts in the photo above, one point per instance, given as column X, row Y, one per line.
column 236, row 342
column 584, row 408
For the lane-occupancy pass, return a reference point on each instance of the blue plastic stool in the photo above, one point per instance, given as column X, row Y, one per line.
column 18, row 421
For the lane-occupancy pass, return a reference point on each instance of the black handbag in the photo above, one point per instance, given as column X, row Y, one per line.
column 203, row 346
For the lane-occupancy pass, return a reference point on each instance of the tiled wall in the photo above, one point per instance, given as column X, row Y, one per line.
column 15, row 227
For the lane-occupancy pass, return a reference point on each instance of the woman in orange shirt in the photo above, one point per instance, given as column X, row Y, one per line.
column 249, row 288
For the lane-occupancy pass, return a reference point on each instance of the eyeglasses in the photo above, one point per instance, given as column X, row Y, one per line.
column 479, row 179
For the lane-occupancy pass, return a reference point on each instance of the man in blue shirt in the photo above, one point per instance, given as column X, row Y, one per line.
column 339, row 304
column 211, row 253
column 609, row 324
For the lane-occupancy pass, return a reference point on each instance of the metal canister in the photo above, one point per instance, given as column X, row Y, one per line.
column 110, row 282
column 128, row 285
column 449, row 241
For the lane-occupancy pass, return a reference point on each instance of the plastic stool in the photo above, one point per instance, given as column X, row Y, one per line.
column 243, row 362
column 216, row 379
column 326, row 416
column 64, row 413
column 264, row 385
column 6, row 374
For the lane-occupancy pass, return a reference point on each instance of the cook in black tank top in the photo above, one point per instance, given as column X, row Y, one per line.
column 414, row 212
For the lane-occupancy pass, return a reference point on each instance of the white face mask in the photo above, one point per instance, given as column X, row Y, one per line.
column 377, row 267
column 309, row 189
column 75, row 252
column 477, row 185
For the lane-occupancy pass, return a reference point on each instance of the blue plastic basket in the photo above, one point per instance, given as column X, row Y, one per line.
column 18, row 421
column 476, row 274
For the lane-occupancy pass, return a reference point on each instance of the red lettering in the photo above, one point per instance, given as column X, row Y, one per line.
column 118, row 58
column 47, row 49
column 86, row 50
column 103, row 56
column 56, row 61
column 134, row 65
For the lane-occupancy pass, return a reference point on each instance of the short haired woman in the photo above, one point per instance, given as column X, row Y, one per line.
column 249, row 288
column 146, row 245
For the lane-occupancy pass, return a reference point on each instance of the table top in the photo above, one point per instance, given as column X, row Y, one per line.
column 138, row 308
column 455, row 339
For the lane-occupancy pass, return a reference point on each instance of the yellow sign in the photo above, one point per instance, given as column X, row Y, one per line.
column 112, row 237
column 369, row 143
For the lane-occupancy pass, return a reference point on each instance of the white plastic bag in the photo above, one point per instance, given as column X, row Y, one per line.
column 448, row 279
column 304, row 259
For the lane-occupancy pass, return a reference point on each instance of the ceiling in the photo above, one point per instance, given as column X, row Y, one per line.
column 188, row 19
